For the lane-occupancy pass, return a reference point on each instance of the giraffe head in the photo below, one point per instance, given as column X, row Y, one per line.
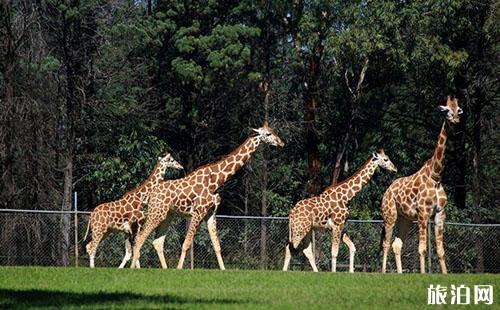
column 383, row 161
column 452, row 110
column 167, row 161
column 268, row 135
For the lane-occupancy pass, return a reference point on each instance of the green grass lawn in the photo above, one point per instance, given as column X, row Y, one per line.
column 36, row 287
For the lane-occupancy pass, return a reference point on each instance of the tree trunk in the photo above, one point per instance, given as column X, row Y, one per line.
column 8, row 143
column 8, row 65
column 340, row 155
column 150, row 8
column 476, row 173
column 264, row 184
column 245, row 231
column 460, row 193
column 312, row 139
column 266, row 87
column 263, row 211
column 66, row 218
column 355, row 106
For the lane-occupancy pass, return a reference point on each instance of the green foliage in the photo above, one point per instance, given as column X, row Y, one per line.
column 187, row 74
column 283, row 196
column 278, row 203
column 127, row 166
column 187, row 70
column 46, row 65
column 222, row 48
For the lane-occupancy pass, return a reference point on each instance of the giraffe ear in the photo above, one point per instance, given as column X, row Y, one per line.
column 443, row 108
column 259, row 131
column 375, row 155
column 451, row 99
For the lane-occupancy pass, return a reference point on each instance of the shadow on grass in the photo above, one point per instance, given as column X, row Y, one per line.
column 22, row 299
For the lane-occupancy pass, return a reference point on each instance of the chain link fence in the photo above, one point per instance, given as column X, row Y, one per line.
column 49, row 238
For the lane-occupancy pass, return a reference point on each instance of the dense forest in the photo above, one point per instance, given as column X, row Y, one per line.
column 91, row 92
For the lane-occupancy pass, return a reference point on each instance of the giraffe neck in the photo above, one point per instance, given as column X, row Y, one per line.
column 436, row 162
column 155, row 177
column 234, row 161
column 352, row 185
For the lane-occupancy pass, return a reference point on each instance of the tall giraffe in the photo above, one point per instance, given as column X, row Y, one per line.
column 417, row 197
column 329, row 211
column 195, row 196
column 125, row 214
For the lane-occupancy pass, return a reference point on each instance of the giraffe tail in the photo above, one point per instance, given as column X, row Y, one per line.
column 289, row 231
column 87, row 232
column 291, row 242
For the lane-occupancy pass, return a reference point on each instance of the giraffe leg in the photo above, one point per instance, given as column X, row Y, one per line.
column 97, row 236
column 389, row 213
column 336, row 232
column 308, row 252
column 388, row 229
column 385, row 244
column 128, row 253
column 151, row 223
column 397, row 245
column 159, row 242
column 296, row 233
column 158, row 245
column 193, row 227
column 212, row 230
column 288, row 257
column 439, row 219
column 135, row 230
column 352, row 251
column 422, row 241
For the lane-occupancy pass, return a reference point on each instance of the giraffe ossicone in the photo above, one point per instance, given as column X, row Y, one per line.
column 125, row 214
column 416, row 198
column 329, row 211
column 195, row 197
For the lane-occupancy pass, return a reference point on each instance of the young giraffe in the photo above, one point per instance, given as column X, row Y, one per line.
column 195, row 196
column 329, row 211
column 416, row 197
column 125, row 214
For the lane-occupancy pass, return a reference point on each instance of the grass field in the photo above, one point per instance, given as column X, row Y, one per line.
column 36, row 287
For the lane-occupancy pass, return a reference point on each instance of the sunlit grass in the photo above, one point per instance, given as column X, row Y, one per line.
column 25, row 287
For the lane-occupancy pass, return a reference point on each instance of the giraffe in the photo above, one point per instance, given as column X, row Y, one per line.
column 125, row 214
column 329, row 211
column 416, row 197
column 195, row 197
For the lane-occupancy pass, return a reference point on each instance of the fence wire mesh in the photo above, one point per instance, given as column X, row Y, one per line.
column 49, row 239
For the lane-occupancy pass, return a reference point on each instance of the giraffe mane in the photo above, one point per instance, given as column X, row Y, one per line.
column 352, row 175
column 220, row 158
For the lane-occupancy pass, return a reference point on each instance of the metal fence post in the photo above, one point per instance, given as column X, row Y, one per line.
column 75, row 201
column 191, row 256
column 429, row 247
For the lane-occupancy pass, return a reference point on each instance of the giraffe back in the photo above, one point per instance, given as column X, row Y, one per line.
column 118, row 215
column 405, row 192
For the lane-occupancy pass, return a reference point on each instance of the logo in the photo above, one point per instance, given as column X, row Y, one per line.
column 459, row 295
